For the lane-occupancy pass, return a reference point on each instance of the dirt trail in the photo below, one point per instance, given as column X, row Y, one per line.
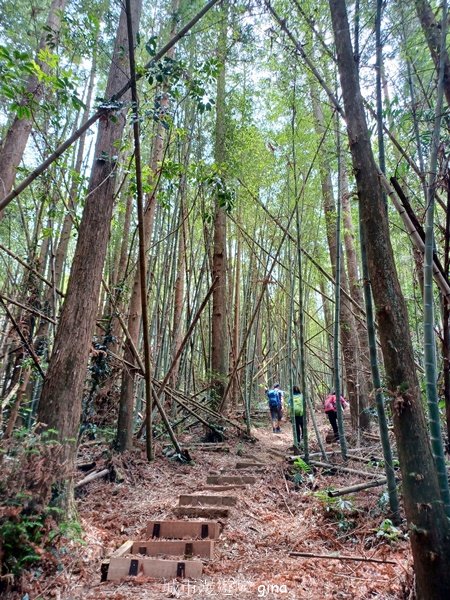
column 271, row 518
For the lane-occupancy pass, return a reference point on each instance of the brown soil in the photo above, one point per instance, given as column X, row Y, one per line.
column 271, row 519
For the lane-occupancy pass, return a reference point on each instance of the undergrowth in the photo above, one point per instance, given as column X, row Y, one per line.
column 30, row 527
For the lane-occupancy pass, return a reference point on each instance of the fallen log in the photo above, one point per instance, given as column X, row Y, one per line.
column 356, row 488
column 92, row 477
column 331, row 467
column 336, row 557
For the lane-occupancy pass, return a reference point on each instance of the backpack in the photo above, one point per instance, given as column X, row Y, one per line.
column 297, row 403
column 330, row 403
column 274, row 398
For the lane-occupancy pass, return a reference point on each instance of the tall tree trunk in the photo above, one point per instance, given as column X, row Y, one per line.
column 219, row 346
column 429, row 527
column 355, row 291
column 59, row 257
column 18, row 133
column 60, row 404
column 432, row 32
column 124, row 437
column 349, row 335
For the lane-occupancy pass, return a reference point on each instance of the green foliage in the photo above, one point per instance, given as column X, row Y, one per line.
column 30, row 526
column 388, row 531
column 21, row 536
column 338, row 508
column 301, row 466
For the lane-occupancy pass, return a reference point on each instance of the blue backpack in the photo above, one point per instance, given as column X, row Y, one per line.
column 274, row 398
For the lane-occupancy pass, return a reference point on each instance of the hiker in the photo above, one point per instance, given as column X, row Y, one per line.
column 275, row 397
column 296, row 410
column 330, row 409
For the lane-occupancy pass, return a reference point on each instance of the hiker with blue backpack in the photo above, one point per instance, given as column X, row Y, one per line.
column 296, row 412
column 275, row 398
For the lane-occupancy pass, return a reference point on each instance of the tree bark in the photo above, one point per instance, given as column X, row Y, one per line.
column 124, row 438
column 219, row 346
column 60, row 404
column 349, row 335
column 429, row 528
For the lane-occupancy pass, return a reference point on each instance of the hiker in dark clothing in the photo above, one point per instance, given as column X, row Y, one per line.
column 275, row 397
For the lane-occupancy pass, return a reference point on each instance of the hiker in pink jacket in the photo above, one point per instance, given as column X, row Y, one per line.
column 330, row 409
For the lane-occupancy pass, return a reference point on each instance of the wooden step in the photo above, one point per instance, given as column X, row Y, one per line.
column 230, row 480
column 250, row 465
column 202, row 511
column 201, row 548
column 206, row 500
column 173, row 529
column 224, row 488
column 119, row 567
column 232, row 471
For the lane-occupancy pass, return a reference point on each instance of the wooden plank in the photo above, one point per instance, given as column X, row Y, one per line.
column 250, row 465
column 206, row 500
column 228, row 479
column 202, row 548
column 125, row 548
column 201, row 511
column 119, row 567
column 171, row 529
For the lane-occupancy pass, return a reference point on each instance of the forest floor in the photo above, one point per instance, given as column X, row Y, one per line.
column 272, row 518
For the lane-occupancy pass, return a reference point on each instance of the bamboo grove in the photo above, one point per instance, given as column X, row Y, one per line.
column 201, row 198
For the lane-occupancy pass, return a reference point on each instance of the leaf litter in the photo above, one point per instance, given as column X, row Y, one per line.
column 272, row 518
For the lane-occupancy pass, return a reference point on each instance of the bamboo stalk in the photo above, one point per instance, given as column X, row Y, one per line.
column 324, row 465
column 334, row 557
column 28, row 346
column 356, row 488
column 33, row 311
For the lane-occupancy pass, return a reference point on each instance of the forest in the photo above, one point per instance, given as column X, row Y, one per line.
column 201, row 203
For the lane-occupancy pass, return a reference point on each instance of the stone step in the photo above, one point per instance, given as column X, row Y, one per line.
column 230, row 480
column 186, row 548
column 206, row 500
column 174, row 529
column 202, row 511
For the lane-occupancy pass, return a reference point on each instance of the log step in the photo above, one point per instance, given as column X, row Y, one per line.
column 229, row 480
column 173, row 529
column 206, row 500
column 119, row 567
column 201, row 548
column 201, row 511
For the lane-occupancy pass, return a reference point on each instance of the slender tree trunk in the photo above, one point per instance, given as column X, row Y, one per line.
column 349, row 335
column 60, row 404
column 429, row 527
column 219, row 346
column 124, row 439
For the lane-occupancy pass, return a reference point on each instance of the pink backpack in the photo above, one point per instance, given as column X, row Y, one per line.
column 330, row 403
